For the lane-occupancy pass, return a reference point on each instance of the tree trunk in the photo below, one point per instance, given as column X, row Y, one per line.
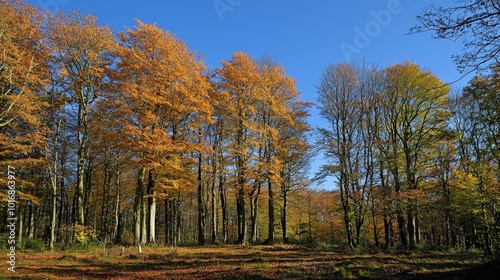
column 53, row 217
column 116, row 235
column 241, row 212
column 225, row 213
column 144, row 221
column 22, row 215
column 81, row 160
column 178, row 224
column 254, row 208
column 270, row 235
column 138, row 203
column 214, row 212
column 152, row 207
column 31, row 225
column 201, row 208
column 375, row 230
column 284, row 217
column 387, row 231
column 168, row 222
column 411, row 225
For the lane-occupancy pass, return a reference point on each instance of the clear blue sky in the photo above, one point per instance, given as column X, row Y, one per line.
column 303, row 35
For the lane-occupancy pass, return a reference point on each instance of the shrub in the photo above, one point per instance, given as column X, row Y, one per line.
column 35, row 245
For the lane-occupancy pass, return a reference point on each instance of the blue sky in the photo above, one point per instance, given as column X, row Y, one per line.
column 303, row 35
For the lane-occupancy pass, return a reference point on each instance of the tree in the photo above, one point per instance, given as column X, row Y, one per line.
column 280, row 113
column 475, row 22
column 413, row 114
column 344, row 96
column 475, row 116
column 24, row 76
column 82, row 53
column 295, row 155
column 239, row 77
column 166, row 92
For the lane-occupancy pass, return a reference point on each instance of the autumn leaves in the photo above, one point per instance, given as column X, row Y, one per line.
column 140, row 118
column 382, row 125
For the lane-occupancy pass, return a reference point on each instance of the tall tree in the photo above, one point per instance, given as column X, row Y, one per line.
column 239, row 77
column 476, row 125
column 341, row 97
column 166, row 92
column 24, row 76
column 415, row 112
column 295, row 155
column 82, row 51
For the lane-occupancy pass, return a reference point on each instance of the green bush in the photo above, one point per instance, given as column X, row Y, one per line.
column 35, row 245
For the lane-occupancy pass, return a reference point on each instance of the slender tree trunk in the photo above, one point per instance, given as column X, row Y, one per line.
column 284, row 217
column 241, row 212
column 168, row 222
column 411, row 225
column 53, row 180
column 375, row 230
column 225, row 212
column 152, row 207
column 144, row 220
column 401, row 225
column 387, row 231
column 81, row 160
column 201, row 208
column 116, row 235
column 64, row 201
column 417, row 225
column 178, row 224
column 138, row 203
column 214, row 211
column 31, row 225
column 254, row 208
column 403, row 233
column 152, row 219
column 20, row 229
column 270, row 235
column 87, row 189
column 53, row 216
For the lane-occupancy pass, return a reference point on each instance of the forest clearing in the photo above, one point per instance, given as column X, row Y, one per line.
column 250, row 262
column 116, row 136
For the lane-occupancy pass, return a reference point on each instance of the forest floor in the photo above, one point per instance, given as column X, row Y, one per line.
column 247, row 262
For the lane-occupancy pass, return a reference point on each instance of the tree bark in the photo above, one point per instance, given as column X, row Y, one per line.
column 201, row 208
column 270, row 235
column 152, row 207
column 138, row 203
column 284, row 213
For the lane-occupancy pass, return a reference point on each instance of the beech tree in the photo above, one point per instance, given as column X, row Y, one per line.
column 279, row 112
column 82, row 53
column 295, row 156
column 239, row 77
column 24, row 76
column 414, row 115
column 345, row 142
column 166, row 93
column 475, row 118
